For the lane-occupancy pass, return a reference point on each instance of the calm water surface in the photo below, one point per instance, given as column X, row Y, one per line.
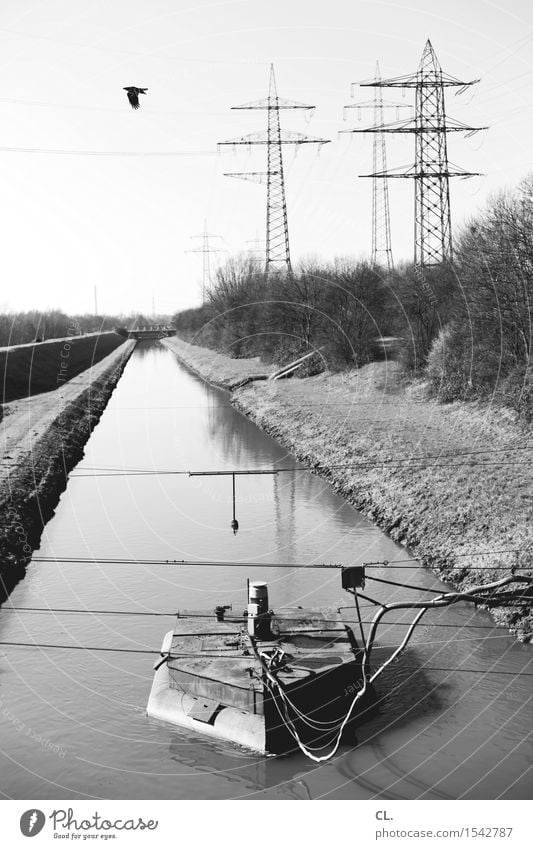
column 73, row 722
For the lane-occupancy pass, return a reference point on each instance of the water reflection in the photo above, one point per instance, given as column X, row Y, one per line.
column 245, row 774
column 285, row 512
column 161, row 416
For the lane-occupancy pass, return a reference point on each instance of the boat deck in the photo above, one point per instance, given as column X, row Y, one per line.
column 219, row 660
column 219, row 680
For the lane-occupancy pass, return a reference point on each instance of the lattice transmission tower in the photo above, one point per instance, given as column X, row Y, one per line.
column 277, row 251
column 206, row 250
column 432, row 169
column 381, row 229
column 257, row 246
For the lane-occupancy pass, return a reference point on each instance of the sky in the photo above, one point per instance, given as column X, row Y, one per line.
column 96, row 216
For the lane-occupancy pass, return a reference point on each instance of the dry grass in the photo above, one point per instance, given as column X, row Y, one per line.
column 442, row 509
column 215, row 367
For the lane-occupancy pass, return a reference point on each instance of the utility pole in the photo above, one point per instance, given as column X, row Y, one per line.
column 381, row 229
column 277, row 251
column 95, row 301
column 431, row 170
column 257, row 245
column 206, row 250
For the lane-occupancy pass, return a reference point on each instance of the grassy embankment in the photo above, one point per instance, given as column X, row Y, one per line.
column 441, row 509
column 215, row 367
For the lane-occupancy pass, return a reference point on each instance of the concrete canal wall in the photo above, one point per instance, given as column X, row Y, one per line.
column 472, row 493
column 42, row 438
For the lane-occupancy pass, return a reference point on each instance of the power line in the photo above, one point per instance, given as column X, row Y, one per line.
column 66, row 152
column 73, row 646
column 476, row 463
column 160, row 562
column 82, row 610
column 419, row 463
column 425, row 668
column 230, row 618
column 420, row 457
column 405, row 586
column 86, row 108
column 81, row 648
column 118, row 561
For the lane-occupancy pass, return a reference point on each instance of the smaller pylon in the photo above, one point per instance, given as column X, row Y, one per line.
column 381, row 229
column 206, row 250
column 257, row 248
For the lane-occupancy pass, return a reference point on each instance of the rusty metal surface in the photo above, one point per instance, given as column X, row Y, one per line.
column 216, row 660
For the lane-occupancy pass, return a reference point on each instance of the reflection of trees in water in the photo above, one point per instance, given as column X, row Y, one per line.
column 230, row 430
column 240, row 446
column 149, row 346
column 243, row 772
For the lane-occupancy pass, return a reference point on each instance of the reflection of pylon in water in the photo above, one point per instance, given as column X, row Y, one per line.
column 206, row 250
column 431, row 171
column 277, row 252
column 285, row 510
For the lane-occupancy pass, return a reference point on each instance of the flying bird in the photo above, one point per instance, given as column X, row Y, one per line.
column 133, row 95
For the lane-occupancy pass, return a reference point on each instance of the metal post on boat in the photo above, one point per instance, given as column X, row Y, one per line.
column 258, row 618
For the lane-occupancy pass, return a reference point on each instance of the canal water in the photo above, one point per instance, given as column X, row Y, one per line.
column 73, row 721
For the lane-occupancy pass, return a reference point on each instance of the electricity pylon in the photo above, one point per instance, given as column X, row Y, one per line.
column 277, row 229
column 381, row 229
column 431, row 170
column 257, row 245
column 206, row 250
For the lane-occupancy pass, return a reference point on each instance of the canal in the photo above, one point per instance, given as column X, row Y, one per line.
column 73, row 721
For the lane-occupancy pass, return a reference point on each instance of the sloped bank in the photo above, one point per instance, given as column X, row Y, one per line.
column 42, row 366
column 463, row 510
column 217, row 368
column 42, row 440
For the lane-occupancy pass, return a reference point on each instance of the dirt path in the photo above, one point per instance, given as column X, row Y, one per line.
column 25, row 421
column 42, row 438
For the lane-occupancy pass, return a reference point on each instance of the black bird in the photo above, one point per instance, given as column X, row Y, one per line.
column 133, row 95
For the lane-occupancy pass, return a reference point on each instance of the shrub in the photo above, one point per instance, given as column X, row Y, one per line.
column 517, row 392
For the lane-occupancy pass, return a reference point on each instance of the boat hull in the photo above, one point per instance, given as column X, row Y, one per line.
column 228, row 723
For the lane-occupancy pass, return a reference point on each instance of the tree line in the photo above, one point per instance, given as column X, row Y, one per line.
column 18, row 328
column 466, row 327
